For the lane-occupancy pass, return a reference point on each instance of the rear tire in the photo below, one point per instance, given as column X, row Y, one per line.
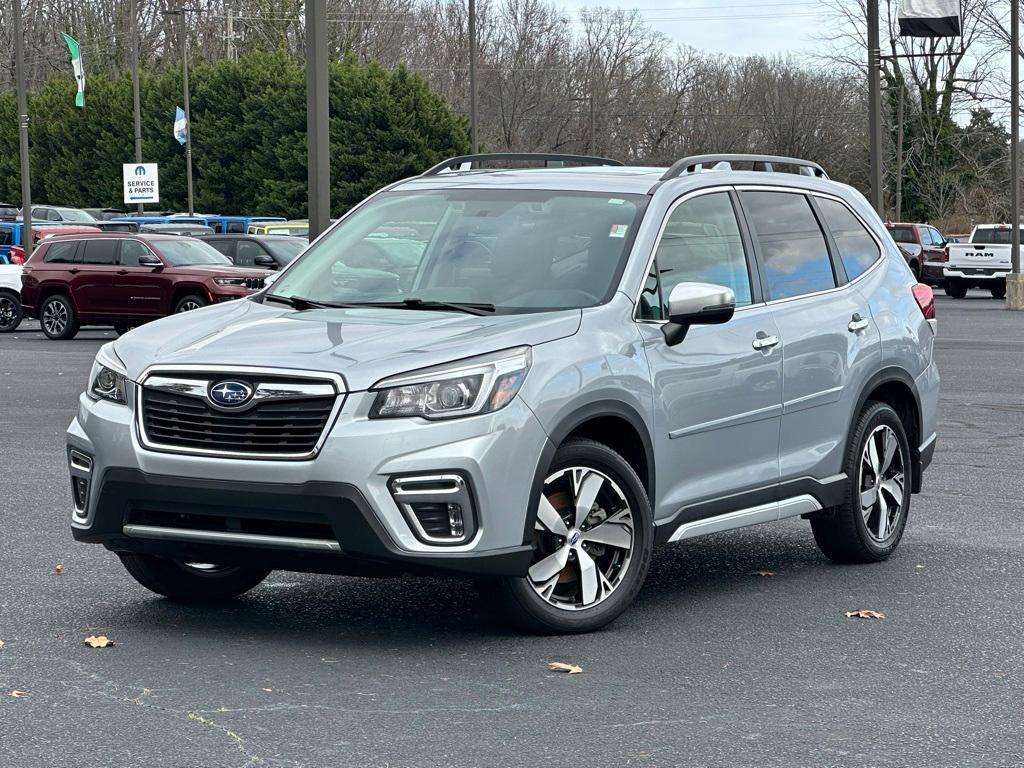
column 185, row 582
column 190, row 302
column 998, row 291
column 956, row 288
column 10, row 312
column 597, row 564
column 868, row 525
column 57, row 318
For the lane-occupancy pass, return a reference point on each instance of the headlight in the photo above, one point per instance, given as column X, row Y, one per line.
column 238, row 281
column 108, row 380
column 468, row 387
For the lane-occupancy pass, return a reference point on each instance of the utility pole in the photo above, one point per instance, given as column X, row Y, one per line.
column 899, row 153
column 875, row 107
column 231, row 33
column 474, row 143
column 183, row 33
column 26, row 181
column 317, row 118
column 133, row 26
column 1015, row 281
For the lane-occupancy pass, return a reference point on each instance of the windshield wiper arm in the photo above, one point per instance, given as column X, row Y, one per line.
column 296, row 302
column 469, row 308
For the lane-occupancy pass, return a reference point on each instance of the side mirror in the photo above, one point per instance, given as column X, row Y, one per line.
column 697, row 304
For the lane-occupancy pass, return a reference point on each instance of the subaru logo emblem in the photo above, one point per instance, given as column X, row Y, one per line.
column 574, row 538
column 230, row 394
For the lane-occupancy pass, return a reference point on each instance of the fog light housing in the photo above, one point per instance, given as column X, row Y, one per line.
column 439, row 508
column 80, row 494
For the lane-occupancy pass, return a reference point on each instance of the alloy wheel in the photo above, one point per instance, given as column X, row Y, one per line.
column 188, row 305
column 584, row 537
column 8, row 311
column 55, row 318
column 882, row 483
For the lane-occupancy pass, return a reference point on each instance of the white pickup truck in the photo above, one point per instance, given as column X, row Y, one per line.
column 10, row 297
column 982, row 262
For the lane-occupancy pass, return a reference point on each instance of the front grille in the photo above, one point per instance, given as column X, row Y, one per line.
column 255, row 283
column 288, row 427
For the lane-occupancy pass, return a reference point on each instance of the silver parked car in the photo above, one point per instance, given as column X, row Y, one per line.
column 533, row 376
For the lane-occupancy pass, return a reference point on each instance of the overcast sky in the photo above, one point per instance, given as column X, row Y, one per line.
column 728, row 26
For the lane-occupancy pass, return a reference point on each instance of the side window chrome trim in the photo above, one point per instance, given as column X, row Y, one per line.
column 657, row 241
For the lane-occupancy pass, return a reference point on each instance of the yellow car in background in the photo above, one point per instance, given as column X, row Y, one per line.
column 294, row 228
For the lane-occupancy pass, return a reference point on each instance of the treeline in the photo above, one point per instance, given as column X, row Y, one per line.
column 248, row 135
column 600, row 81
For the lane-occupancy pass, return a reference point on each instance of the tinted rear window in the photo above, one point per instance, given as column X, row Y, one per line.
column 902, row 234
column 994, row 236
column 857, row 248
column 60, row 253
column 100, row 252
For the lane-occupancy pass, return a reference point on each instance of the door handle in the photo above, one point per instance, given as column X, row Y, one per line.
column 857, row 323
column 764, row 341
column 73, row 271
column 122, row 271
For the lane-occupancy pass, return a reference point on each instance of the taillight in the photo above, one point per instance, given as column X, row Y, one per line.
column 925, row 299
column 17, row 255
column 945, row 253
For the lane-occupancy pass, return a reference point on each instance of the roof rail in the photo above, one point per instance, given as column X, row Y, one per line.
column 546, row 158
column 762, row 163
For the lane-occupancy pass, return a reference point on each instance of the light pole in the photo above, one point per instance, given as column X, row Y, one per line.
column 26, row 181
column 1015, row 281
column 136, row 100
column 318, row 159
column 183, row 33
column 474, row 144
column 875, row 108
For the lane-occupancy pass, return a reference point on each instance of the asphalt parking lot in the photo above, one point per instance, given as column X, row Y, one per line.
column 714, row 666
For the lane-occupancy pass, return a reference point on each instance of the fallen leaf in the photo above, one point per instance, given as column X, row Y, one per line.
column 18, row 694
column 763, row 573
column 1, row 643
column 99, row 641
column 269, row 690
column 58, row 568
column 561, row 666
column 863, row 613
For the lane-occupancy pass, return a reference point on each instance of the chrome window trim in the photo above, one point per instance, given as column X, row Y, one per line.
column 340, row 392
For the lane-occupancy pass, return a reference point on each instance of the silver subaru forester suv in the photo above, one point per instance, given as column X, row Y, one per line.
column 529, row 376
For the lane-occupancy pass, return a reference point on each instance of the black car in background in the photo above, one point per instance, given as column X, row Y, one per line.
column 8, row 212
column 104, row 214
column 264, row 251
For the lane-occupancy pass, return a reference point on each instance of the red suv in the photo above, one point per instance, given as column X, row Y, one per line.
column 124, row 280
column 927, row 263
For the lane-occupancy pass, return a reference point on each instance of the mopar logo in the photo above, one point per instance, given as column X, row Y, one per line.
column 230, row 393
column 140, row 170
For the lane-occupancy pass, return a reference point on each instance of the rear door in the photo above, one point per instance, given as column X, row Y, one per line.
column 138, row 287
column 828, row 338
column 93, row 280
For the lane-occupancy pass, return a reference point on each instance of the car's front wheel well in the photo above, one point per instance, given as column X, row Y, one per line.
column 900, row 397
column 622, row 437
column 188, row 290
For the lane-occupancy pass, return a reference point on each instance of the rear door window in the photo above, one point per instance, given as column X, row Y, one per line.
column 857, row 248
column 100, row 252
column 793, row 249
column 226, row 247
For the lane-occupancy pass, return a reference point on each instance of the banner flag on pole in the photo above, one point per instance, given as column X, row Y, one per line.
column 930, row 18
column 78, row 67
column 180, row 125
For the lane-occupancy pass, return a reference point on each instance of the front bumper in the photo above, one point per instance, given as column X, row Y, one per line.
column 265, row 510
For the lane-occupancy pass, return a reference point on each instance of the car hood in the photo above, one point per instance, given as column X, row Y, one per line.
column 364, row 345
column 218, row 270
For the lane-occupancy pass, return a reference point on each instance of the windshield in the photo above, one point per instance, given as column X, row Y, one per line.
column 993, row 236
column 284, row 250
column 518, row 250
column 73, row 214
column 183, row 253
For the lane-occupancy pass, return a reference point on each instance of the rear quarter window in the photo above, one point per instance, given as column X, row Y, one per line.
column 60, row 253
column 902, row 234
column 857, row 248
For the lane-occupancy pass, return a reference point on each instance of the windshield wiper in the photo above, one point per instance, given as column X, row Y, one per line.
column 468, row 308
column 296, row 302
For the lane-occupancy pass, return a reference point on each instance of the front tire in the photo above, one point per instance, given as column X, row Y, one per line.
column 190, row 302
column 57, row 318
column 10, row 312
column 593, row 538
column 868, row 525
column 191, row 582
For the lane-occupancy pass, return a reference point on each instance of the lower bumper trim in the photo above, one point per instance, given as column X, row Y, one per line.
column 226, row 537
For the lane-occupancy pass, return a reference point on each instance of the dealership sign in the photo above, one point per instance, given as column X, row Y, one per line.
column 141, row 183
